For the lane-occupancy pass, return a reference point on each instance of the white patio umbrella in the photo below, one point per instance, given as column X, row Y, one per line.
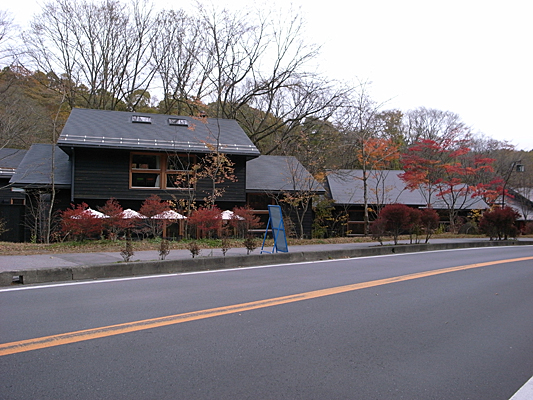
column 169, row 214
column 130, row 214
column 228, row 214
column 94, row 213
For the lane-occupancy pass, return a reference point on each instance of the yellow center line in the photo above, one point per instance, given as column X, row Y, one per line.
column 111, row 330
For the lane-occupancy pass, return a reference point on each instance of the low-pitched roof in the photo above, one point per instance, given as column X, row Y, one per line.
column 9, row 161
column 383, row 187
column 134, row 130
column 279, row 174
column 346, row 187
column 35, row 169
column 521, row 200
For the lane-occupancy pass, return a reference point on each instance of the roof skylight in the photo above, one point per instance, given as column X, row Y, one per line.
column 178, row 122
column 141, row 119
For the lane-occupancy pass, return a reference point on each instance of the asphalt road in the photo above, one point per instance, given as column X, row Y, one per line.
column 392, row 327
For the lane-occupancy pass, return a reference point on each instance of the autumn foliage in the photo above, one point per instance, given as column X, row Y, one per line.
column 114, row 223
column 207, row 221
column 449, row 173
column 243, row 219
column 499, row 223
column 378, row 153
column 397, row 219
column 429, row 221
column 150, row 208
column 79, row 222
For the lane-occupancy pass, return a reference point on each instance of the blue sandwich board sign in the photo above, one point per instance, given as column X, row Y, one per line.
column 275, row 223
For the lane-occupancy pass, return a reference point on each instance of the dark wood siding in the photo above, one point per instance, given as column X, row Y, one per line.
column 102, row 174
column 7, row 196
column 13, row 216
column 234, row 192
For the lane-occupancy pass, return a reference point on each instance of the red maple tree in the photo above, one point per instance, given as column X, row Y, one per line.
column 207, row 220
column 114, row 222
column 151, row 208
column 79, row 222
column 243, row 219
column 395, row 219
column 499, row 223
column 449, row 174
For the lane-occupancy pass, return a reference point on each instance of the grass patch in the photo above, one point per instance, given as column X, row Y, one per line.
column 97, row 246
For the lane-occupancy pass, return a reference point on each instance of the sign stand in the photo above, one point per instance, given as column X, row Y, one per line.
column 275, row 222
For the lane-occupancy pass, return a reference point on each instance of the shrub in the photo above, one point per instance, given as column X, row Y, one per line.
column 127, row 251
column 79, row 222
column 250, row 243
column 243, row 220
column 528, row 228
column 3, row 226
column 378, row 229
column 151, row 207
column 499, row 223
column 415, row 224
column 114, row 223
column 397, row 219
column 429, row 221
column 207, row 220
column 194, row 248
column 164, row 249
column 226, row 245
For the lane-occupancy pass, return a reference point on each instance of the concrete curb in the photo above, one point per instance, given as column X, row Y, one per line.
column 142, row 268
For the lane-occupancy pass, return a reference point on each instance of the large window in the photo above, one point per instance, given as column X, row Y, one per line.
column 161, row 171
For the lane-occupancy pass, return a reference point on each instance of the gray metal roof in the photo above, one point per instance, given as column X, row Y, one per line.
column 384, row 187
column 9, row 161
column 116, row 129
column 279, row 173
column 35, row 169
column 346, row 187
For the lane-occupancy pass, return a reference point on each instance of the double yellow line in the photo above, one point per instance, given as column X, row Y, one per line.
column 111, row 330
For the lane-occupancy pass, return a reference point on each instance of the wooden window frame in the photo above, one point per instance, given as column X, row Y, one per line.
column 162, row 171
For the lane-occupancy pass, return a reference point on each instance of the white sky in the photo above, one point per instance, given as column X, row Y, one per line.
column 470, row 57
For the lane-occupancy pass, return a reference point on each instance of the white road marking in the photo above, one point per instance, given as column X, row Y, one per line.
column 525, row 392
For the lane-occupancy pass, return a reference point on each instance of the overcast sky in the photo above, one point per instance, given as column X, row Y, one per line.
column 470, row 57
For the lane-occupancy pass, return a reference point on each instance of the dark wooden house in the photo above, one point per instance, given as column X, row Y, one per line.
column 130, row 156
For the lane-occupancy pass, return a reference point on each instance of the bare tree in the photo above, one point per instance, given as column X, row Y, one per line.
column 175, row 56
column 366, row 145
column 6, row 25
column 381, row 194
column 258, row 73
column 431, row 124
column 300, row 190
column 102, row 50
